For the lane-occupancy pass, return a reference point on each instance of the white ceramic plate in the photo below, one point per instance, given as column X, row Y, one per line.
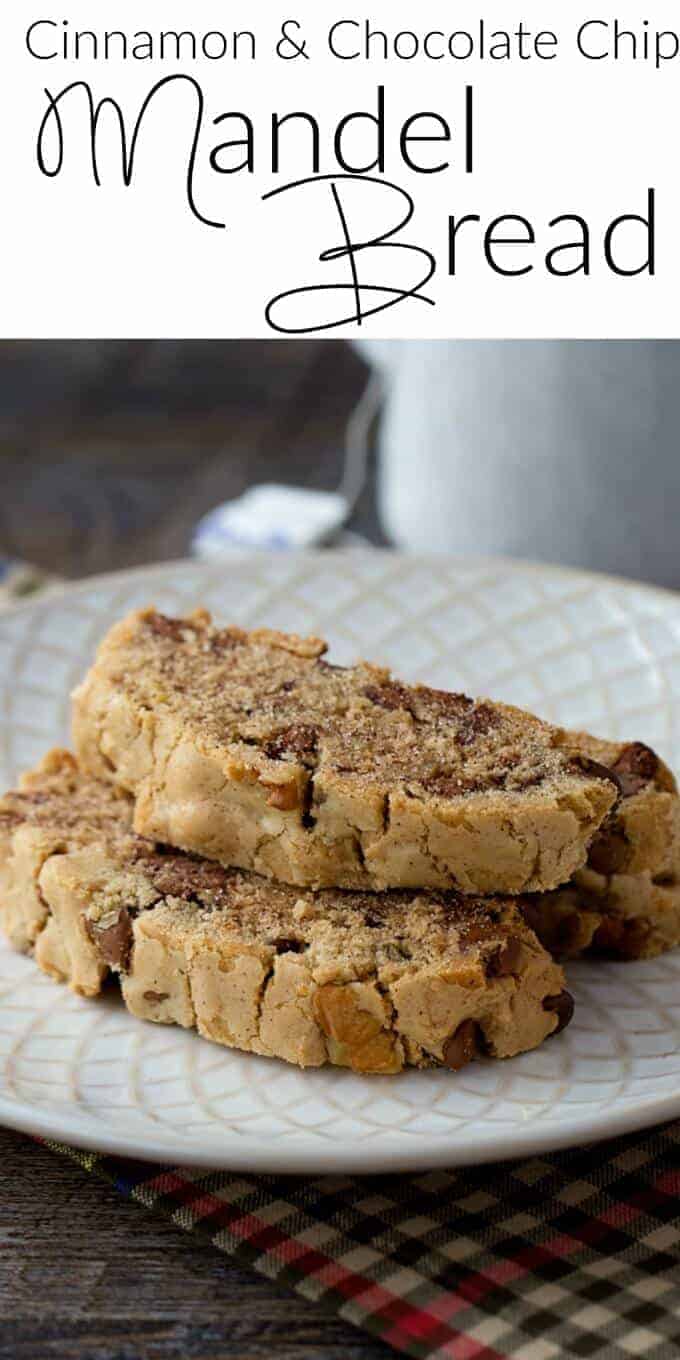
column 583, row 650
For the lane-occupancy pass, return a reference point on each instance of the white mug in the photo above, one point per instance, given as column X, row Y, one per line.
column 562, row 451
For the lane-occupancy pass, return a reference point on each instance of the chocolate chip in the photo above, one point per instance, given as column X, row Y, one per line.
column 609, row 852
column 283, row 945
column 114, row 942
column 391, row 695
column 462, row 1046
column 156, row 997
column 562, row 1006
column 296, row 740
column 181, row 876
column 635, row 768
column 505, row 961
column 580, row 764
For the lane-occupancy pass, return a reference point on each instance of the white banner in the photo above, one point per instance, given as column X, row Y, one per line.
column 196, row 168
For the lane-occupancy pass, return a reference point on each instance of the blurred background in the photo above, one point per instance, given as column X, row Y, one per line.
column 113, row 452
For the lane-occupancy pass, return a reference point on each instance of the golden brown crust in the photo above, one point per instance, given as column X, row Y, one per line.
column 251, row 749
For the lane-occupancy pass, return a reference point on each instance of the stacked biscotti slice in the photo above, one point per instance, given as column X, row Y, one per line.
column 322, row 864
column 368, row 981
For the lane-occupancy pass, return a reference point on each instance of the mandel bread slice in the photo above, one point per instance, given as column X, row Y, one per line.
column 625, row 901
column 250, row 749
column 371, row 982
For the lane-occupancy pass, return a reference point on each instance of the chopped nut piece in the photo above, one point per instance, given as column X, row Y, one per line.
column 356, row 1037
column 284, row 797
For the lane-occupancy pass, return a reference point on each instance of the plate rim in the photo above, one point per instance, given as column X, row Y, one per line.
column 63, row 589
column 261, row 1157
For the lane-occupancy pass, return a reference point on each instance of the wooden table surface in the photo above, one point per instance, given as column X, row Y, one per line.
column 109, row 452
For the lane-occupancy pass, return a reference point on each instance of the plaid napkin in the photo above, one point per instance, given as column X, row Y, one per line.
column 573, row 1254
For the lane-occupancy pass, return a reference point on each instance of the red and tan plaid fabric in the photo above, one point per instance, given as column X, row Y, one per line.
column 574, row 1254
